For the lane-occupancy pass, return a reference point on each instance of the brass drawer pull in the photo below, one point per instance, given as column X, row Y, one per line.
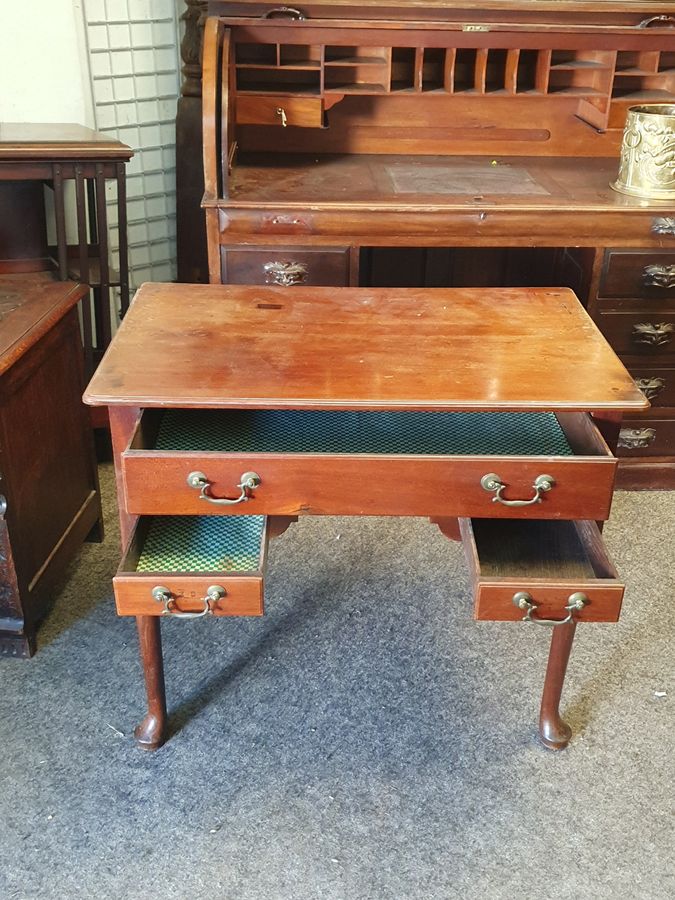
column 281, row 112
column 650, row 387
column 652, row 334
column 575, row 602
column 198, row 480
column 660, row 21
column 163, row 595
column 288, row 12
column 285, row 273
column 657, row 276
column 492, row 482
column 636, row 438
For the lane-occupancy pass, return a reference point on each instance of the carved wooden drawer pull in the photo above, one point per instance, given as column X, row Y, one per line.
column 653, row 334
column 636, row 438
column 659, row 276
column 285, row 273
column 650, row 387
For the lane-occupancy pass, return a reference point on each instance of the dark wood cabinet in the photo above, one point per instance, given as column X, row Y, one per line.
column 49, row 499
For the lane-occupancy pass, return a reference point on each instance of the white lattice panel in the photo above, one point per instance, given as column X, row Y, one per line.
column 134, row 61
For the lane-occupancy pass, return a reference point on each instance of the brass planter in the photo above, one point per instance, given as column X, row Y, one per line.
column 648, row 152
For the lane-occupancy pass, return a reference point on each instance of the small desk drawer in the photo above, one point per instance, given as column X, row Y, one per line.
column 367, row 463
column 543, row 564
column 303, row 112
column 285, row 266
column 185, row 566
column 657, row 384
column 638, row 273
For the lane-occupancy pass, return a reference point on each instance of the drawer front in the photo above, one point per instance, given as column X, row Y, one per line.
column 178, row 567
column 302, row 112
column 640, row 334
column 657, row 384
column 647, row 437
column 633, row 273
column 316, row 484
column 285, row 266
column 523, row 571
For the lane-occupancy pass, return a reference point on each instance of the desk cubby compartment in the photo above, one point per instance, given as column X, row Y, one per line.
column 368, row 463
column 551, row 563
column 177, row 565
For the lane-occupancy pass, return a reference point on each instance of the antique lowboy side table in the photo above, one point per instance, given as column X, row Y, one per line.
column 234, row 410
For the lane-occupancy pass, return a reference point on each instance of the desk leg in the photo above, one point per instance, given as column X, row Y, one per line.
column 151, row 732
column 555, row 734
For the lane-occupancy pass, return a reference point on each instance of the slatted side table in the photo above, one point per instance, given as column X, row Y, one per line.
column 34, row 155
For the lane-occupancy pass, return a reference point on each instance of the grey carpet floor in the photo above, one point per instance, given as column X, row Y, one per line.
column 366, row 739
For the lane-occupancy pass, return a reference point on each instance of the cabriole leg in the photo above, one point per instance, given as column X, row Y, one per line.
column 554, row 732
column 151, row 732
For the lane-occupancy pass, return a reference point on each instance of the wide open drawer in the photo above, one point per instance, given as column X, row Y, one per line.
column 177, row 565
column 540, row 570
column 368, row 463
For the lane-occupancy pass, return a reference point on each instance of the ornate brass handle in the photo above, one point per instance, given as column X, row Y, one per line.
column 163, row 595
column 662, row 20
column 198, row 480
column 493, row 483
column 285, row 273
column 650, row 387
column 288, row 12
column 652, row 334
column 636, row 438
column 575, row 602
column 664, row 225
column 659, row 276
column 281, row 112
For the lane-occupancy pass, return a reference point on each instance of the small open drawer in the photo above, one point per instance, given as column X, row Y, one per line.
column 290, row 462
column 540, row 570
column 191, row 566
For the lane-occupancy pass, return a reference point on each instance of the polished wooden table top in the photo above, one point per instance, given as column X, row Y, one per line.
column 361, row 348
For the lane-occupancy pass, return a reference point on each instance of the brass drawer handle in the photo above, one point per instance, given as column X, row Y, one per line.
column 661, row 21
column 636, row 438
column 285, row 273
column 163, row 595
column 657, row 276
column 652, row 334
column 650, row 387
column 524, row 601
column 281, row 112
column 493, row 483
column 248, row 482
column 288, row 12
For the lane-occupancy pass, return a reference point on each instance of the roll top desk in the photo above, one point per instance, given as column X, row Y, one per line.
column 473, row 146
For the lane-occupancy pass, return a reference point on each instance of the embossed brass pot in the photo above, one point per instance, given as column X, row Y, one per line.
column 648, row 152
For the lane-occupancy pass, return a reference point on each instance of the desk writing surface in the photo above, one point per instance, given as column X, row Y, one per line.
column 361, row 348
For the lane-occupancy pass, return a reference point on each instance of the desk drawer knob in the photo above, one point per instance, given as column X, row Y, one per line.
column 493, row 483
column 524, row 601
column 163, row 595
column 249, row 481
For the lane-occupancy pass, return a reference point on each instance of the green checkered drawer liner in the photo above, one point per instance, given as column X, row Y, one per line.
column 432, row 433
column 202, row 544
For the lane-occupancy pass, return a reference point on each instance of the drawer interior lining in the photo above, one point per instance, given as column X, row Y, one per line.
column 542, row 549
column 202, row 544
column 319, row 431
